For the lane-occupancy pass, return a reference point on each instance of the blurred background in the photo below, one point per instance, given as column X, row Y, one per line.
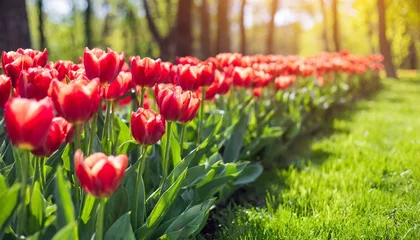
column 203, row 28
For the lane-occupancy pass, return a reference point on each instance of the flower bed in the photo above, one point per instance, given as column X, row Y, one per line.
column 113, row 151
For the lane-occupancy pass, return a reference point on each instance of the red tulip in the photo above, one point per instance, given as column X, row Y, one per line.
column 35, row 82
column 64, row 67
column 147, row 127
column 118, row 87
column 76, row 101
column 173, row 103
column 5, row 89
column 103, row 65
column 187, row 77
column 284, row 82
column 166, row 72
column 58, row 133
column 99, row 174
column 14, row 62
column 28, row 121
column 191, row 109
column 146, row 71
column 205, row 74
column 242, row 76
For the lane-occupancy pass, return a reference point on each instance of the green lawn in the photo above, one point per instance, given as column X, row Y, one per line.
column 360, row 182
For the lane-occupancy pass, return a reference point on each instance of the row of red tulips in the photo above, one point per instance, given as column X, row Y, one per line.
column 117, row 114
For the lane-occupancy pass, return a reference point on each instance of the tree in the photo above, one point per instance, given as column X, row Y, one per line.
column 271, row 27
column 164, row 43
column 383, row 41
column 336, row 34
column 324, row 25
column 223, row 27
column 242, row 26
column 14, row 28
column 42, row 40
column 88, row 20
column 184, row 28
column 205, row 41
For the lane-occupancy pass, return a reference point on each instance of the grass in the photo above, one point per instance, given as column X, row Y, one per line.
column 360, row 182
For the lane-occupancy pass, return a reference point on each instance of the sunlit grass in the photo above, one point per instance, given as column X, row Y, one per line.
column 362, row 182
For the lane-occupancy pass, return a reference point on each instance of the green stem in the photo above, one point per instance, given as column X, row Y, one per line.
column 132, row 106
column 181, row 142
column 77, row 143
column 42, row 174
column 165, row 163
column 143, row 89
column 86, row 131
column 200, row 116
column 111, row 127
column 100, row 220
column 105, row 129
column 23, row 165
column 92, row 134
column 140, row 171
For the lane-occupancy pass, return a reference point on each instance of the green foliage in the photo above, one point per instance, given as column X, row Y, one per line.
column 360, row 182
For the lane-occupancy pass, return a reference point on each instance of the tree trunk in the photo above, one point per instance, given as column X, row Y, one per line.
column 271, row 27
column 383, row 41
column 242, row 25
column 184, row 28
column 132, row 22
column 88, row 20
column 205, row 41
column 14, row 28
column 324, row 26
column 336, row 34
column 42, row 40
column 412, row 55
column 223, row 27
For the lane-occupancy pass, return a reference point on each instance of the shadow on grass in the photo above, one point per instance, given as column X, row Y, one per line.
column 299, row 154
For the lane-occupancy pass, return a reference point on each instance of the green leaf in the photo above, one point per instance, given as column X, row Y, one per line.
column 66, row 157
column 194, row 175
column 175, row 148
column 165, row 201
column 67, row 232
column 116, row 206
column 121, row 229
column 127, row 146
column 209, row 189
column 236, row 141
column 190, row 221
column 88, row 205
column 36, row 206
column 9, row 201
column 65, row 208
column 249, row 174
column 3, row 185
column 178, row 170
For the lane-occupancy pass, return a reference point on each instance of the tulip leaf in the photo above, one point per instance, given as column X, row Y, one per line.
column 212, row 187
column 236, row 141
column 3, row 185
column 164, row 202
column 67, row 232
column 121, row 229
column 36, row 206
column 178, row 170
column 117, row 205
column 88, row 205
column 190, row 221
column 65, row 208
column 124, row 133
column 9, row 200
column 176, row 149
column 249, row 174
column 66, row 156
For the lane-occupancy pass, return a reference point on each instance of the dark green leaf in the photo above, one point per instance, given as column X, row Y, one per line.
column 68, row 232
column 9, row 201
column 121, row 229
column 249, row 174
column 65, row 208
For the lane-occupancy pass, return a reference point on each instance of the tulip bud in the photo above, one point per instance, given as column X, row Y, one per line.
column 146, row 71
column 187, row 77
column 147, row 127
column 28, row 121
column 59, row 131
column 35, row 82
column 118, row 87
column 173, row 103
column 76, row 101
column 103, row 65
column 64, row 67
column 205, row 74
column 5, row 89
column 191, row 109
column 99, row 174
